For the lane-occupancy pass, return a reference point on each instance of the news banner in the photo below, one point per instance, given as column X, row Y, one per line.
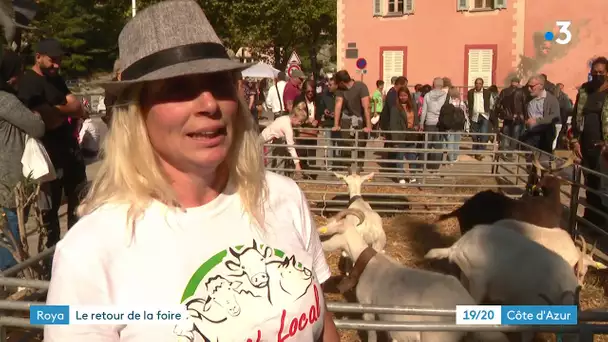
column 465, row 315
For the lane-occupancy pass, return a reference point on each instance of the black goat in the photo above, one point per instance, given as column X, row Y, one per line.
column 488, row 206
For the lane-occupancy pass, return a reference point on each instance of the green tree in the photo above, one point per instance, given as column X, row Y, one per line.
column 281, row 25
column 89, row 29
column 86, row 29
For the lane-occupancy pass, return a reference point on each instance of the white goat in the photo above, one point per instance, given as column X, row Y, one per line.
column 385, row 282
column 558, row 241
column 506, row 267
column 371, row 228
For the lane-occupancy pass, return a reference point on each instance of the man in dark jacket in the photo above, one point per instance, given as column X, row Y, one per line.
column 325, row 109
column 511, row 108
column 550, row 87
column 478, row 100
column 385, row 117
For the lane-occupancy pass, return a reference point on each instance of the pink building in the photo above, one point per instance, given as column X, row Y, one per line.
column 466, row 39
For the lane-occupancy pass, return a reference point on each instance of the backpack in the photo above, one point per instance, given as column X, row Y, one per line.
column 506, row 101
column 451, row 118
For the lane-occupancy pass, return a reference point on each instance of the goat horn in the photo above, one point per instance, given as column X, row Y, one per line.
column 583, row 244
column 592, row 251
column 536, row 163
column 568, row 162
column 351, row 211
column 581, row 259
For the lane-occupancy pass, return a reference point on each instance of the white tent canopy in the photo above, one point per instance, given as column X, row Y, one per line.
column 260, row 70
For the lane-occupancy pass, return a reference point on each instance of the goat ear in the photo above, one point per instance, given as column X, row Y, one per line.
column 599, row 265
column 323, row 230
column 369, row 176
column 339, row 176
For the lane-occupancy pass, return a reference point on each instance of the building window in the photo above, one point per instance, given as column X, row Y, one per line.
column 393, row 63
column 483, row 4
column 395, row 6
column 480, row 65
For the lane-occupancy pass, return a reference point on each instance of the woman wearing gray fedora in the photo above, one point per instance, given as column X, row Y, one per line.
column 182, row 214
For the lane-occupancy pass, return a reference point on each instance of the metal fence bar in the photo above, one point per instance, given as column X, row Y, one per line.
column 28, row 283
column 18, row 322
column 390, row 309
column 437, row 327
column 17, row 305
column 27, row 263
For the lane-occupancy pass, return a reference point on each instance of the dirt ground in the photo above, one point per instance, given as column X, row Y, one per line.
column 411, row 236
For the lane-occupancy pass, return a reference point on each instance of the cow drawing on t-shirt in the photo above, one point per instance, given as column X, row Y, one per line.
column 224, row 302
column 251, row 262
column 248, row 281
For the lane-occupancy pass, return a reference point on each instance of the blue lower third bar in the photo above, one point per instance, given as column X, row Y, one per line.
column 49, row 314
column 539, row 315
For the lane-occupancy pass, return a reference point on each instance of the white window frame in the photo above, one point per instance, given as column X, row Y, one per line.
column 377, row 5
column 474, row 74
column 408, row 6
column 469, row 5
column 386, row 76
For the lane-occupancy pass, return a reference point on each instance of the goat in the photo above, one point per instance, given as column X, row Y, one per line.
column 488, row 206
column 559, row 241
column 385, row 282
column 371, row 228
column 506, row 267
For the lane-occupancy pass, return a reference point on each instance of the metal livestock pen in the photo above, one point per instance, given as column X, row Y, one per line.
column 435, row 191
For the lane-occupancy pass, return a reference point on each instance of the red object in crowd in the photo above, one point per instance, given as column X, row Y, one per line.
column 569, row 133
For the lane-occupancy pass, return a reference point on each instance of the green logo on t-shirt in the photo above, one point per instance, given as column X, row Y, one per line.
column 235, row 285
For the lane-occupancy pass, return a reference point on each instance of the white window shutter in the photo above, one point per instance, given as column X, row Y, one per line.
column 377, row 7
column 463, row 5
column 500, row 4
column 480, row 66
column 392, row 65
column 408, row 7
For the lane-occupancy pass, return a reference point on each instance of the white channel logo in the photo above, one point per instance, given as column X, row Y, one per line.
column 565, row 36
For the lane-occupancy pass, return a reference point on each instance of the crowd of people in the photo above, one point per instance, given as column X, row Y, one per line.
column 536, row 113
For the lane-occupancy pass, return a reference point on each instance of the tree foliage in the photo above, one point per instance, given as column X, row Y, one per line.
column 89, row 29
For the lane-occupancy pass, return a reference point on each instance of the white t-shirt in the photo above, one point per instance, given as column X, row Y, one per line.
column 241, row 282
column 91, row 134
column 281, row 128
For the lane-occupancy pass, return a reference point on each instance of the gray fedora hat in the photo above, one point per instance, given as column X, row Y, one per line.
column 169, row 39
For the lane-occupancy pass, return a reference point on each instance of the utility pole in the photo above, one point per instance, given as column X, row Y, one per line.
column 133, row 6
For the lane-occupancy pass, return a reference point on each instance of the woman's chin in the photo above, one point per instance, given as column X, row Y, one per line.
column 210, row 158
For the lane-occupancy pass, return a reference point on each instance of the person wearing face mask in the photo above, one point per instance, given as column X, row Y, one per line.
column 590, row 135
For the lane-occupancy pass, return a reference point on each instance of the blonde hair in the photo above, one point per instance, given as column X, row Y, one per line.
column 131, row 174
column 299, row 112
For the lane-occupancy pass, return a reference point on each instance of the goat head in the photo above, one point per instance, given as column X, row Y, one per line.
column 334, row 225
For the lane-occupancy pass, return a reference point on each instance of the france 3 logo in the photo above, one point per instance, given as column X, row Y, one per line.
column 563, row 36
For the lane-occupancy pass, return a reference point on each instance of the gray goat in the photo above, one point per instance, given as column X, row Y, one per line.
column 506, row 267
column 386, row 282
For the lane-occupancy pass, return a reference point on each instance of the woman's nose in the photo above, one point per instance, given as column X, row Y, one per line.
column 206, row 104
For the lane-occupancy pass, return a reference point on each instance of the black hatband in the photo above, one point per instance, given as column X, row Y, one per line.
column 172, row 56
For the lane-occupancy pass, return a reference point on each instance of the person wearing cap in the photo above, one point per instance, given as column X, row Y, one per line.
column 43, row 90
column 182, row 212
column 293, row 88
